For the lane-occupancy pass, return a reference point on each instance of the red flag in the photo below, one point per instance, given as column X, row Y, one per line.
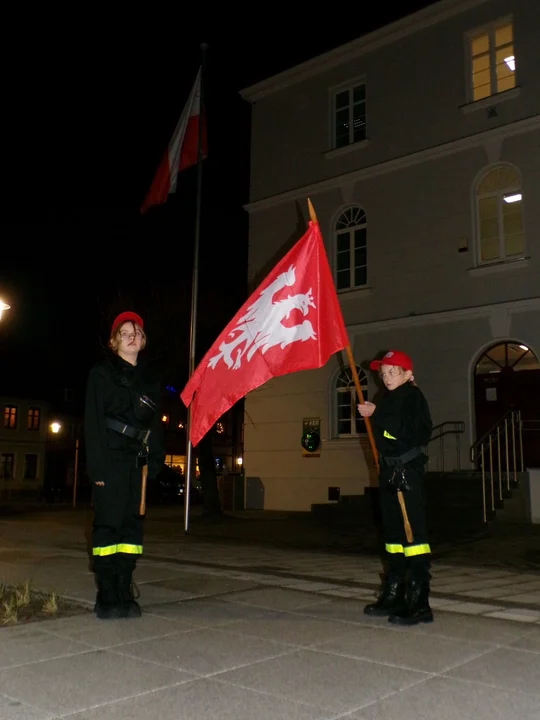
column 183, row 149
column 291, row 322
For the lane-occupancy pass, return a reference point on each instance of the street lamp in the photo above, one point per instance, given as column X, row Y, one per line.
column 3, row 306
column 55, row 427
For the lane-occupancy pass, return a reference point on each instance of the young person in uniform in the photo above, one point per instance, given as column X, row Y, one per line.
column 402, row 427
column 122, row 435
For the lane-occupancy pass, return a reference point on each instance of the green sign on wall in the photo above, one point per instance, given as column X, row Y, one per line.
column 311, row 437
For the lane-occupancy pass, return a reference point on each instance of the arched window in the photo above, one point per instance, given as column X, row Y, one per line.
column 351, row 249
column 499, row 210
column 348, row 420
column 506, row 355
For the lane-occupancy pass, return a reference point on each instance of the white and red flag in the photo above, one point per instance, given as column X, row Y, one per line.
column 182, row 151
column 292, row 322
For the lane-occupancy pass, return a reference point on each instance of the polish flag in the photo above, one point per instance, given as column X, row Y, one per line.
column 183, row 149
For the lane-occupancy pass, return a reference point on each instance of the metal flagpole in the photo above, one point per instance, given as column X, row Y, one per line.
column 194, row 286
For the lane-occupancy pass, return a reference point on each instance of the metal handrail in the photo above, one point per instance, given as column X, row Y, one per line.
column 500, row 439
column 459, row 427
column 485, row 436
column 455, row 428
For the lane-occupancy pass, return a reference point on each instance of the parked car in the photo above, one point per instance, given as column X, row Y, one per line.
column 169, row 487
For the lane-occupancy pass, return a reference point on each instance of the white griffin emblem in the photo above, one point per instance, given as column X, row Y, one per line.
column 261, row 327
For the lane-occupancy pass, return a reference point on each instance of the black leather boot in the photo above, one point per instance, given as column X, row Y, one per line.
column 390, row 598
column 417, row 609
column 108, row 606
column 130, row 606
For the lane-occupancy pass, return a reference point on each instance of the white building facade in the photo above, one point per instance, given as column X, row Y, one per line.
column 419, row 147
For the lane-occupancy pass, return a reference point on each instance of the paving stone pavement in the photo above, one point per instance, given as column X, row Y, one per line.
column 236, row 630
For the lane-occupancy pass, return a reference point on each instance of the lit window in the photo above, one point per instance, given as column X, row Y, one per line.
column 351, row 249
column 349, row 115
column 176, row 462
column 10, row 417
column 34, row 415
column 499, row 209
column 493, row 62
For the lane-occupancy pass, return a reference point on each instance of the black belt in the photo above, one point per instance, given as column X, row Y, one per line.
column 400, row 460
column 124, row 429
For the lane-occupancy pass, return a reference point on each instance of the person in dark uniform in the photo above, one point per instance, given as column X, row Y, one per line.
column 123, row 440
column 402, row 427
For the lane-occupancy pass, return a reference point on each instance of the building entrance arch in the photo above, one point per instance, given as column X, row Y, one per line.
column 506, row 377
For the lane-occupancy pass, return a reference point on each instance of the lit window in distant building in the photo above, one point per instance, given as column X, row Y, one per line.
column 493, row 62
column 10, row 417
column 499, row 210
column 176, row 462
column 34, row 417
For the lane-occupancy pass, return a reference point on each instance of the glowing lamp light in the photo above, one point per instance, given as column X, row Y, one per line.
column 3, row 306
column 516, row 197
column 56, row 427
column 239, row 461
column 511, row 62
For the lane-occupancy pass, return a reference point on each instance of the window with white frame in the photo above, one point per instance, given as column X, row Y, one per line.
column 499, row 209
column 351, row 249
column 349, row 115
column 492, row 58
column 349, row 422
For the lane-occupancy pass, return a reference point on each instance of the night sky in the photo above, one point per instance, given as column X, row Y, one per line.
column 88, row 110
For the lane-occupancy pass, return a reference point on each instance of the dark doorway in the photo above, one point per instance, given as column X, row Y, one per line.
column 507, row 377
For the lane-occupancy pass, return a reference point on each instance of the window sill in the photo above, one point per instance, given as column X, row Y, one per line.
column 357, row 292
column 491, row 100
column 501, row 266
column 338, row 152
column 341, row 443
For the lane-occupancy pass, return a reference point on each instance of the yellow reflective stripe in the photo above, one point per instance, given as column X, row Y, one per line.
column 130, row 549
column 387, row 435
column 107, row 550
column 121, row 548
column 417, row 550
column 394, row 548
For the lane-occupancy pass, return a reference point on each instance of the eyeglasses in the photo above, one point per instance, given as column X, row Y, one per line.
column 392, row 372
column 130, row 335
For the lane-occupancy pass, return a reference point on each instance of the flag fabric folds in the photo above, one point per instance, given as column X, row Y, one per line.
column 182, row 151
column 292, row 322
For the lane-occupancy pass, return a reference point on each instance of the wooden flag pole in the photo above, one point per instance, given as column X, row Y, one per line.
column 352, row 365
column 144, row 478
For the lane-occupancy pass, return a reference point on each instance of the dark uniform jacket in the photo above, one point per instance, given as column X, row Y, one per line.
column 113, row 391
column 401, row 422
